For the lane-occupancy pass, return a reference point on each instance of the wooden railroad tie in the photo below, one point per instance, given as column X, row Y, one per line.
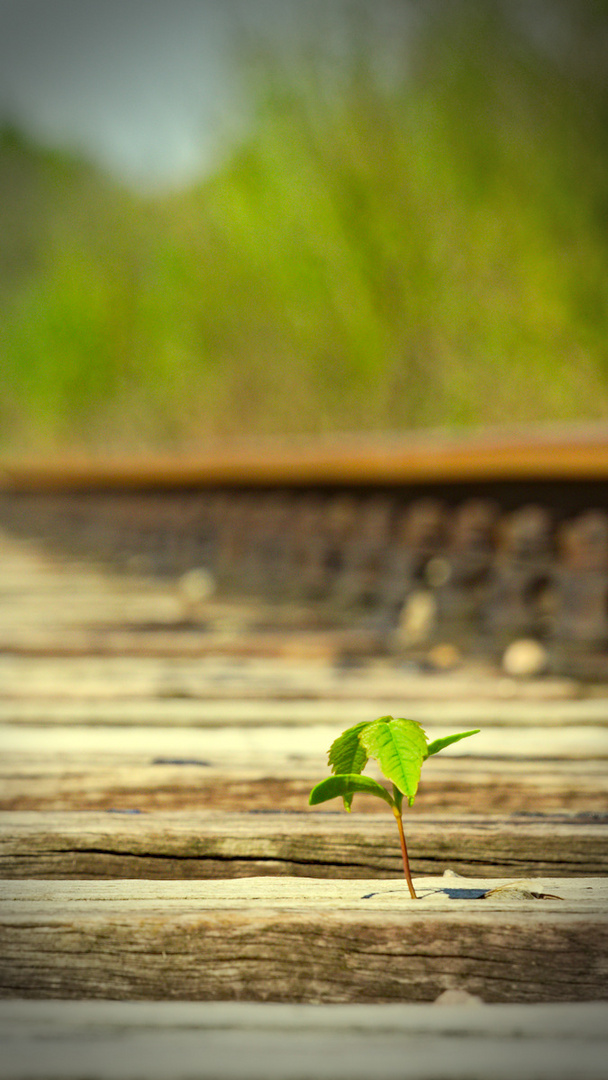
column 305, row 940
column 109, row 1040
column 215, row 845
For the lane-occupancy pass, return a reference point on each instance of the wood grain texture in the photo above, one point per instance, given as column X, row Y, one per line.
column 196, row 899
column 37, row 783
column 292, row 686
column 265, row 939
column 240, row 701
column 335, row 845
column 277, row 747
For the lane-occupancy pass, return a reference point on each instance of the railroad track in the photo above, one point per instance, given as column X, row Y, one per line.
column 473, row 541
column 165, row 882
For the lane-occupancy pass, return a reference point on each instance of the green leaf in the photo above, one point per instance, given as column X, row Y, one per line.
column 439, row 744
column 400, row 747
column 347, row 784
column 347, row 755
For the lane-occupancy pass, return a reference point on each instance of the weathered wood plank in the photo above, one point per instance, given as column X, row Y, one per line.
column 301, row 939
column 180, row 642
column 271, row 766
column 54, row 1040
column 252, row 744
column 117, row 783
column 89, row 678
column 277, row 705
column 227, row 845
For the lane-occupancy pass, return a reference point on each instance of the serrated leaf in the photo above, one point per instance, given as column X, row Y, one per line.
column 400, row 747
column 439, row 744
column 347, row 784
column 346, row 754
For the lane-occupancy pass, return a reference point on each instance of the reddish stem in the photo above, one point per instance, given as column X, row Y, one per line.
column 406, row 861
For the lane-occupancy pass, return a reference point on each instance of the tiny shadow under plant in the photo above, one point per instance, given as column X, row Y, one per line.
column 400, row 747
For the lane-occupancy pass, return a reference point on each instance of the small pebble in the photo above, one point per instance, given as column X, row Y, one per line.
column 445, row 656
column 458, row 997
column 525, row 658
column 417, row 618
column 194, row 588
column 196, row 585
column 437, row 572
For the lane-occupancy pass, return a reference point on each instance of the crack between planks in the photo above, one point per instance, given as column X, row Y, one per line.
column 205, row 857
column 202, row 857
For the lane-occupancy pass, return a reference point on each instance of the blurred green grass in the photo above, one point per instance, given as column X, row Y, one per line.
column 377, row 253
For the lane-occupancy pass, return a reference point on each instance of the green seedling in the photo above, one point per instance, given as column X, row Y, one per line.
column 400, row 747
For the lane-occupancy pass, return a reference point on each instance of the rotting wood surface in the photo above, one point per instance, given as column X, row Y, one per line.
column 303, row 940
column 330, row 845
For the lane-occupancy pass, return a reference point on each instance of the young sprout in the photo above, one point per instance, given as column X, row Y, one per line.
column 400, row 747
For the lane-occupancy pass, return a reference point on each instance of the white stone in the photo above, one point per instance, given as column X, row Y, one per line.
column 525, row 658
column 417, row 618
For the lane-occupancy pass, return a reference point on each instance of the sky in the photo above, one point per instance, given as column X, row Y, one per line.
column 150, row 90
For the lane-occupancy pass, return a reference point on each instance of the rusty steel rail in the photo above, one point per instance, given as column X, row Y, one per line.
column 528, row 454
column 494, row 536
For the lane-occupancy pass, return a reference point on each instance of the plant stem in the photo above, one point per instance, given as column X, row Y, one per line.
column 406, row 861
